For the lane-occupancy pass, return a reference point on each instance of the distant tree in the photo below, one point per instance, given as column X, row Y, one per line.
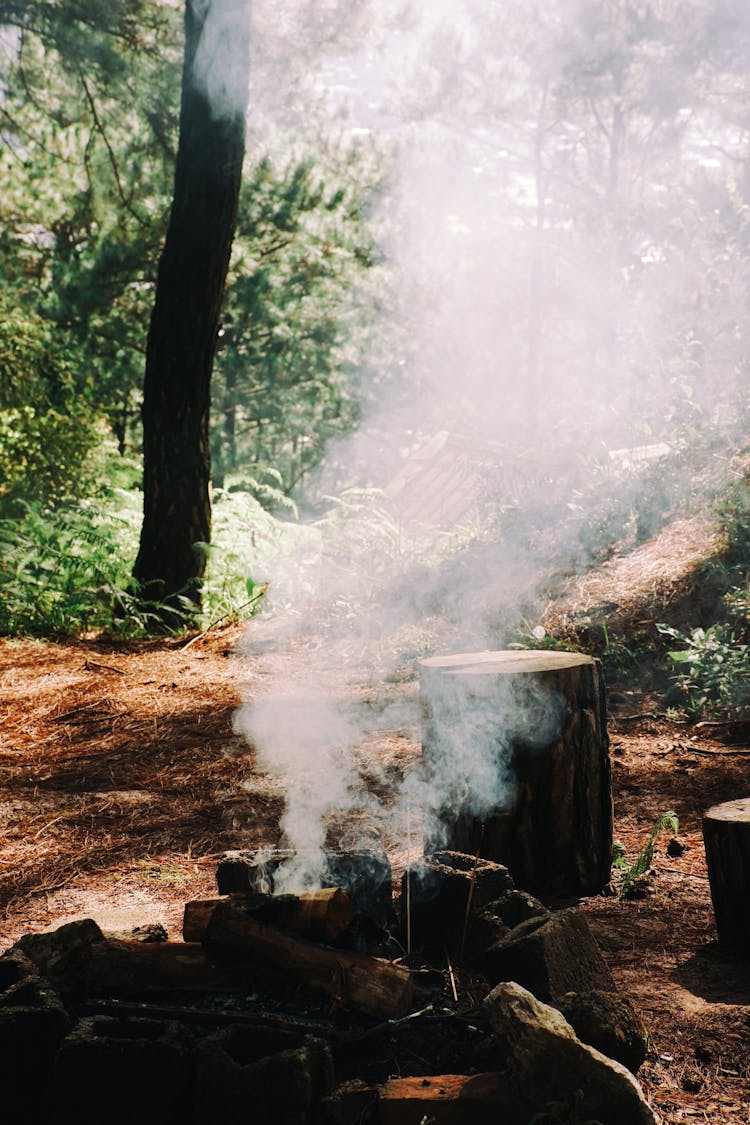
column 185, row 321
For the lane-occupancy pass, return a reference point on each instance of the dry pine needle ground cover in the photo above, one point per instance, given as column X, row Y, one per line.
column 121, row 782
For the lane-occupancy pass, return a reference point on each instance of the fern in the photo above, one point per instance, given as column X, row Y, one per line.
column 630, row 872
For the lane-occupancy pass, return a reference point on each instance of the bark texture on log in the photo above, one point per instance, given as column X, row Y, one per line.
column 447, row 1099
column 128, row 968
column 531, row 726
column 322, row 915
column 368, row 984
column 726, row 834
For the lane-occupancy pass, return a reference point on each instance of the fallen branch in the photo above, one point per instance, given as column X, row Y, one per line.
column 224, row 616
column 202, row 1016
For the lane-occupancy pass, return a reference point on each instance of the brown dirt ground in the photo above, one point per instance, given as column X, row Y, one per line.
column 121, row 783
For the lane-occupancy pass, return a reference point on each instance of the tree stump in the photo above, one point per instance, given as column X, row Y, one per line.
column 516, row 752
column 726, row 835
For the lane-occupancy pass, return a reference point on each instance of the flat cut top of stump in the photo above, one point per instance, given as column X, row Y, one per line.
column 730, row 810
column 505, row 662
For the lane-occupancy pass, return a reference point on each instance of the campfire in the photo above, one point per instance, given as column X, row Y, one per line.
column 340, row 1004
column 455, row 996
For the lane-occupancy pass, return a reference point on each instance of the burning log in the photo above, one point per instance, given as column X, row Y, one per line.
column 368, row 984
column 322, row 915
column 536, row 720
column 365, row 876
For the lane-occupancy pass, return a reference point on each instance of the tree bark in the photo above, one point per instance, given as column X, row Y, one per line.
column 322, row 915
column 542, row 721
column 184, row 325
column 726, row 834
column 367, row 984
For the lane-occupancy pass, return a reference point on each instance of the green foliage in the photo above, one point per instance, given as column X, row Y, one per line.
column 62, row 571
column 47, row 431
column 88, row 121
column 537, row 637
column 629, row 871
column 66, row 570
column 733, row 509
column 292, row 332
column 713, row 672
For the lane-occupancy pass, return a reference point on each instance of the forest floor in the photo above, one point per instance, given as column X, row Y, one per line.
column 122, row 780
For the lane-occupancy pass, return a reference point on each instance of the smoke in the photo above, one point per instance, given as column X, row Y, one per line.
column 220, row 63
column 564, row 229
column 305, row 742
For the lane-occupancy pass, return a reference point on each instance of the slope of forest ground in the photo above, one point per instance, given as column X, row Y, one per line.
column 122, row 780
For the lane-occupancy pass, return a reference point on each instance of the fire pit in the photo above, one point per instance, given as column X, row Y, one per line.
column 274, row 1005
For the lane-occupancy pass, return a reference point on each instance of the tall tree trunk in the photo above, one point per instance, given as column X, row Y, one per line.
column 184, row 323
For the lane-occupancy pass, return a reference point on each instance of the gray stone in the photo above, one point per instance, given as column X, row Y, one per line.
column 515, row 907
column 610, row 1023
column 550, row 956
column 549, row 1064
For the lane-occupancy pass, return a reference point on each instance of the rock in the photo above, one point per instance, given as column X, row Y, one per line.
column 122, row 1071
column 33, row 1022
column 549, row 1064
column 550, row 956
column 150, row 932
column 351, row 1103
column 63, row 956
column 515, row 907
column 608, row 1022
column 271, row 1076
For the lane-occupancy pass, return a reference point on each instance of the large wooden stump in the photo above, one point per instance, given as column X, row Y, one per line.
column 726, row 834
column 515, row 745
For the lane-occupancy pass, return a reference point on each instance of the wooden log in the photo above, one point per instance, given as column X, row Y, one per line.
column 368, row 984
column 448, row 1099
column 726, row 835
column 534, row 724
column 197, row 915
column 129, row 968
column 364, row 874
column 322, row 914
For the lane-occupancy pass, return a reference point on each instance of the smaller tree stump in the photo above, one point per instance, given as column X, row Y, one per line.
column 726, row 835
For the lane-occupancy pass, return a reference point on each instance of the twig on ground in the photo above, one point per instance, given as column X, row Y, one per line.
column 94, row 666
column 451, row 977
column 224, row 616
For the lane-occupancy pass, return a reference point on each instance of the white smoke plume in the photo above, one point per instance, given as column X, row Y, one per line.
column 549, row 310
column 220, row 61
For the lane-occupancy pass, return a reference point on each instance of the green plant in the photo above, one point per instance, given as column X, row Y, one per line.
column 630, row 872
column 536, row 636
column 713, row 672
column 66, row 569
